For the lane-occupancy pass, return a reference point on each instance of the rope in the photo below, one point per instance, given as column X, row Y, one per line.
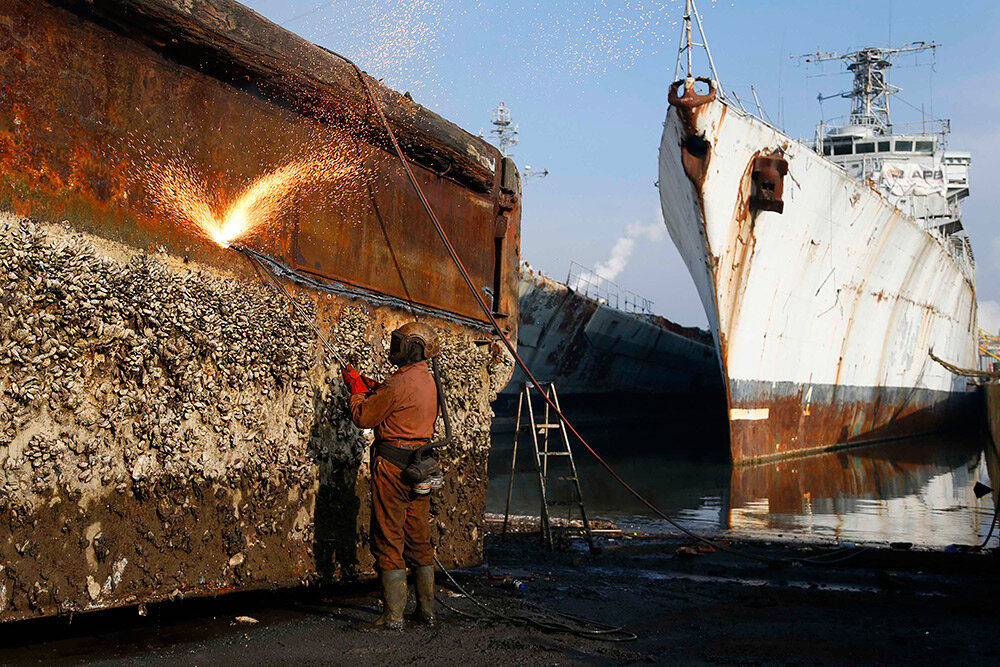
column 965, row 372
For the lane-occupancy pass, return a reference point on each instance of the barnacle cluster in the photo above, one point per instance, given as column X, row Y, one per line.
column 206, row 408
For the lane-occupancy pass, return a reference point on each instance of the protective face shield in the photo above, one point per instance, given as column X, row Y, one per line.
column 411, row 343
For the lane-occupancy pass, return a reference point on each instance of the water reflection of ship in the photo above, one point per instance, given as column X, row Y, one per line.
column 918, row 490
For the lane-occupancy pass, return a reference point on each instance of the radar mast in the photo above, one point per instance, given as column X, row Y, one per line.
column 870, row 93
column 505, row 131
column 507, row 136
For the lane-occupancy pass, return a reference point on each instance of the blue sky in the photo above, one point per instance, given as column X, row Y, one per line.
column 587, row 82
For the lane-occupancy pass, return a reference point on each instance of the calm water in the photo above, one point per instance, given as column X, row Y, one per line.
column 917, row 490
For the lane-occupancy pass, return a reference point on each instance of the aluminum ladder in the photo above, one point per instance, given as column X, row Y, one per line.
column 559, row 450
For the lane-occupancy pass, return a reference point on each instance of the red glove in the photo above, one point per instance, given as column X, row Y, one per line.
column 353, row 379
column 370, row 383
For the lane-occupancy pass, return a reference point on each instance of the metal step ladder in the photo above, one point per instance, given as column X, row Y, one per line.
column 559, row 452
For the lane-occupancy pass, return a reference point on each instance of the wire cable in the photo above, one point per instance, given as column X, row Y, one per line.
column 487, row 311
column 453, row 254
column 595, row 631
column 993, row 524
column 585, row 628
column 261, row 268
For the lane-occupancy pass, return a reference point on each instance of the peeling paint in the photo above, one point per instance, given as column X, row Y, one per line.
column 824, row 314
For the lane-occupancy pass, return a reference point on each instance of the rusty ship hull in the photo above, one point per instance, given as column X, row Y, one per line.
column 609, row 365
column 168, row 425
column 824, row 314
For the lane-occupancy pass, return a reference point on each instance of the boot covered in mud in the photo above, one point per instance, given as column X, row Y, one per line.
column 394, row 594
column 424, row 576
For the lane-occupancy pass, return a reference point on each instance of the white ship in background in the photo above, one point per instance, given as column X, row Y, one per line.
column 829, row 272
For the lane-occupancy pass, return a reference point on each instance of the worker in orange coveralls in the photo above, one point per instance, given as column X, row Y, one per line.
column 402, row 411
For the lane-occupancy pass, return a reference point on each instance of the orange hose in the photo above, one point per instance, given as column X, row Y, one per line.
column 513, row 350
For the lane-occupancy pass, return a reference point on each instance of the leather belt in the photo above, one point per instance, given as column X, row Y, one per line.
column 398, row 455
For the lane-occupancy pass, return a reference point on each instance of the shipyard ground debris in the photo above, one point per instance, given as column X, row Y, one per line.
column 688, row 606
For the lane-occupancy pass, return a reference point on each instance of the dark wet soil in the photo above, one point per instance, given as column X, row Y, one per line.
column 686, row 605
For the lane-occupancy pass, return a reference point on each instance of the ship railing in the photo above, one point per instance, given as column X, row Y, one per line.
column 961, row 251
column 760, row 116
column 590, row 283
column 940, row 127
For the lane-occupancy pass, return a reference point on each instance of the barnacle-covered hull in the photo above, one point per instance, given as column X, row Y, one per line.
column 168, row 426
column 825, row 313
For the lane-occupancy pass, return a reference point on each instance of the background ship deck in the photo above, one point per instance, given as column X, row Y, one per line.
column 611, row 366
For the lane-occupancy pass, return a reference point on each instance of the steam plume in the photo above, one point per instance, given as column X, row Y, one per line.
column 622, row 250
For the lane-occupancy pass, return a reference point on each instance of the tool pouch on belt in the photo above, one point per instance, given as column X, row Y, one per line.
column 401, row 457
column 417, row 463
column 423, row 464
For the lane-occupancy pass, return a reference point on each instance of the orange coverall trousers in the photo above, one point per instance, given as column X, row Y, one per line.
column 400, row 527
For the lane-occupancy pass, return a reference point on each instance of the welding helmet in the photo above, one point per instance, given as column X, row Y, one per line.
column 413, row 342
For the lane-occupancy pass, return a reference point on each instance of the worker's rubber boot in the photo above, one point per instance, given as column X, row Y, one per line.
column 394, row 594
column 425, row 595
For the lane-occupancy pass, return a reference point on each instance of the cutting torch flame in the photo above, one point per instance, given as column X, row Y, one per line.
column 258, row 204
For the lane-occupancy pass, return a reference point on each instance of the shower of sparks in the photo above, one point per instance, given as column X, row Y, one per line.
column 406, row 40
column 259, row 202
column 179, row 192
column 400, row 39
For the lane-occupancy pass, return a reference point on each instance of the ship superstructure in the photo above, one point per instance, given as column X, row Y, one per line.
column 909, row 163
column 829, row 272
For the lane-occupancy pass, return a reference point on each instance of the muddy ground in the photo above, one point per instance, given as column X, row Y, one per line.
column 686, row 606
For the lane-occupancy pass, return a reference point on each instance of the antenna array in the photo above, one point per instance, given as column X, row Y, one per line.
column 870, row 94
